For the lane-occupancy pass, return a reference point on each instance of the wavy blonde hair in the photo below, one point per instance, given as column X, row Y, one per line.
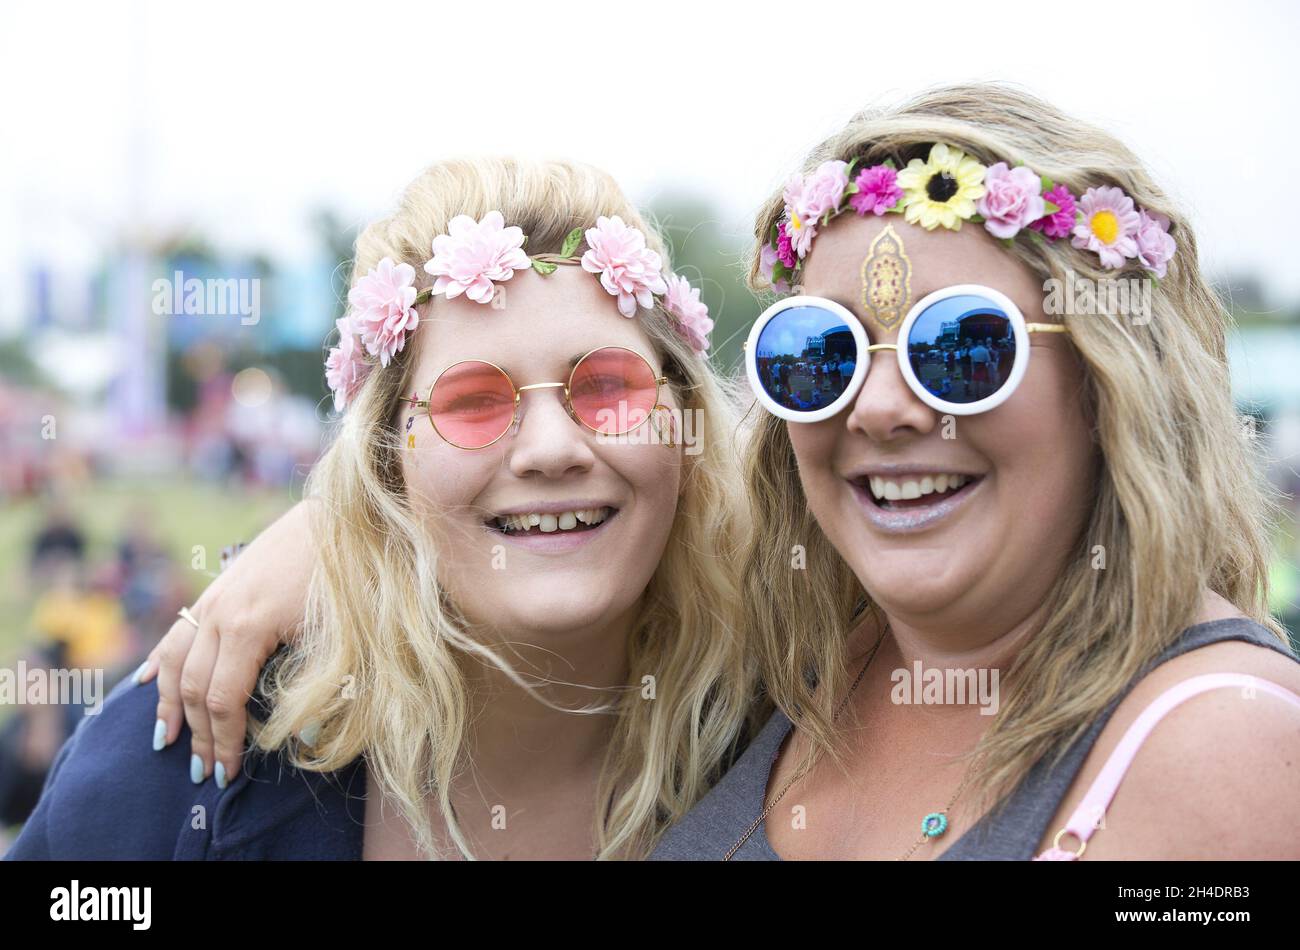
column 380, row 668
column 1180, row 501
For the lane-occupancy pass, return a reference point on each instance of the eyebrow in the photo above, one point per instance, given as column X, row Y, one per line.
column 853, row 307
column 573, row 361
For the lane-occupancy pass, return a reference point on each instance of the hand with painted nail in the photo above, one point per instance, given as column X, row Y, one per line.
column 207, row 673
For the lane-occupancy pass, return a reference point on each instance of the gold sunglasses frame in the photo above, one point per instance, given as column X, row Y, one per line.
column 520, row 390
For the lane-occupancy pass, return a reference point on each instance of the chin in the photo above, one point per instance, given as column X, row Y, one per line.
column 915, row 585
column 551, row 605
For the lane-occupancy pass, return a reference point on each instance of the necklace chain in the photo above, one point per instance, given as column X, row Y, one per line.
column 767, row 810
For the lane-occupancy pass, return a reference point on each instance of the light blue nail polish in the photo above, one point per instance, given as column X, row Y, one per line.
column 139, row 672
column 196, row 769
column 221, row 775
column 159, row 735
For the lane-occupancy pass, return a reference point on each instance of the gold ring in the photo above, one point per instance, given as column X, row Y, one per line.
column 184, row 614
column 1056, row 842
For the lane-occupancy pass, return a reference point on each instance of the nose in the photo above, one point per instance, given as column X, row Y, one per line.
column 886, row 408
column 548, row 441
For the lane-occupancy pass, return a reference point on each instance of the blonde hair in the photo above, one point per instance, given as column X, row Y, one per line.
column 379, row 667
column 1180, row 500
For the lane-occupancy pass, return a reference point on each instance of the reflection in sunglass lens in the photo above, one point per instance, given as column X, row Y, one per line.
column 962, row 348
column 613, row 390
column 806, row 356
column 472, row 404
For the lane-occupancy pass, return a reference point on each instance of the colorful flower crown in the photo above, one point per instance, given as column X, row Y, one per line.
column 475, row 256
column 950, row 187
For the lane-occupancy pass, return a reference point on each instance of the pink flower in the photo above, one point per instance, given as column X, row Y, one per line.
column 767, row 261
column 1060, row 223
column 878, row 190
column 383, row 310
column 784, row 250
column 628, row 269
column 473, row 255
column 345, row 366
column 683, row 301
column 1109, row 225
column 1154, row 245
column 1012, row 199
column 824, row 188
column 808, row 198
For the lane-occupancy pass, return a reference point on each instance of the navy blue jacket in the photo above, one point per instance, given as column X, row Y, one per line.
column 109, row 796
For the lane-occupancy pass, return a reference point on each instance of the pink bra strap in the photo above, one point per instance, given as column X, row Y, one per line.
column 1085, row 819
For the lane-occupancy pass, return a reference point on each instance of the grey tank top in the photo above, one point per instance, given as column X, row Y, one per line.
column 1009, row 832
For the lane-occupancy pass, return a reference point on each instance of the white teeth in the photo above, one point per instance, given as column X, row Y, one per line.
column 554, row 521
column 889, row 490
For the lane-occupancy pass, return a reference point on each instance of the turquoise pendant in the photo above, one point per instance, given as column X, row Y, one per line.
column 934, row 824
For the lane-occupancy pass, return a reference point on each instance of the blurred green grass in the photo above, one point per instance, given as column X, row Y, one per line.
column 184, row 514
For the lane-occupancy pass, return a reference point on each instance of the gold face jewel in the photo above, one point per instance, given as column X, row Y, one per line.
column 886, row 279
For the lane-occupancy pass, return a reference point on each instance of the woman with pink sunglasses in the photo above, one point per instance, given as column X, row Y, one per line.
column 509, row 589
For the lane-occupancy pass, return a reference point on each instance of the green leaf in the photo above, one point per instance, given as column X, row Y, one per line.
column 774, row 236
column 976, row 219
column 1008, row 242
column 1050, row 207
column 849, row 171
column 852, row 188
column 780, row 272
column 890, row 163
column 1035, row 236
column 544, row 267
column 571, row 242
column 1047, row 183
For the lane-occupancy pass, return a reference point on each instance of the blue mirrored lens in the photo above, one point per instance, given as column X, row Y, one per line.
column 806, row 356
column 962, row 348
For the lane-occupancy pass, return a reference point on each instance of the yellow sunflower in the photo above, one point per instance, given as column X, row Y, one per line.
column 943, row 189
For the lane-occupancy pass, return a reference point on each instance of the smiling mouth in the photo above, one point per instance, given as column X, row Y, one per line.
column 557, row 523
column 915, row 491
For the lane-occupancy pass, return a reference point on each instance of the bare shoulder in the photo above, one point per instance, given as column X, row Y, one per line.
column 1218, row 777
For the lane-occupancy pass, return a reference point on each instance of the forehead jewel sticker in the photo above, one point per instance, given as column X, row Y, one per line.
column 886, row 279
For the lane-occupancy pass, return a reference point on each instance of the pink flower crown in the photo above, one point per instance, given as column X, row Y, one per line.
column 950, row 187
column 475, row 256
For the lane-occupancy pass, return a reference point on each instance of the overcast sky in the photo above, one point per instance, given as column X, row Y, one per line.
column 238, row 118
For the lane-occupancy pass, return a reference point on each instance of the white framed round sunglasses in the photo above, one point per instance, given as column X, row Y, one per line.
column 962, row 349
